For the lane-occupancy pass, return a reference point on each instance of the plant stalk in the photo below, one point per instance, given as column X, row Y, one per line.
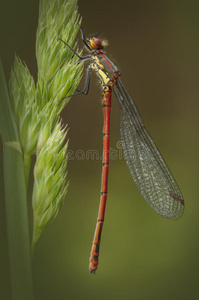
column 15, row 201
column 27, row 163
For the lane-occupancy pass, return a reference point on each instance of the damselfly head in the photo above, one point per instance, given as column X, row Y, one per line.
column 96, row 43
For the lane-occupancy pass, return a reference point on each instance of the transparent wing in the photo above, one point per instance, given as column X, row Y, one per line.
column 146, row 165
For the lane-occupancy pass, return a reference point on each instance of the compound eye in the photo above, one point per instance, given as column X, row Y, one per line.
column 96, row 43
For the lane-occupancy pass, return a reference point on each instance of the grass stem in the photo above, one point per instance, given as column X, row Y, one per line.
column 15, row 201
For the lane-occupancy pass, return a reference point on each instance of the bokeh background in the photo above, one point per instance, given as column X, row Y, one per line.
column 143, row 256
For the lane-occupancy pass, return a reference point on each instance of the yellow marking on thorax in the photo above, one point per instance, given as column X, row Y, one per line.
column 104, row 77
column 100, row 70
column 97, row 61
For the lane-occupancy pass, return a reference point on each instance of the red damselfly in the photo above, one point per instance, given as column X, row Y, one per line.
column 146, row 165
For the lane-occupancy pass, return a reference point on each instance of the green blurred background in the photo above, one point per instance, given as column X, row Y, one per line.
column 155, row 44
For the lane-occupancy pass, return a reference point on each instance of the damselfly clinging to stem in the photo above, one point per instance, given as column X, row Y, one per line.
column 146, row 165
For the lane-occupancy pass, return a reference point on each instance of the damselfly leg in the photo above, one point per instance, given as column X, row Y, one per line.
column 80, row 57
column 85, row 89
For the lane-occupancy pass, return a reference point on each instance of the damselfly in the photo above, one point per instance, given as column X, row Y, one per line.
column 146, row 165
